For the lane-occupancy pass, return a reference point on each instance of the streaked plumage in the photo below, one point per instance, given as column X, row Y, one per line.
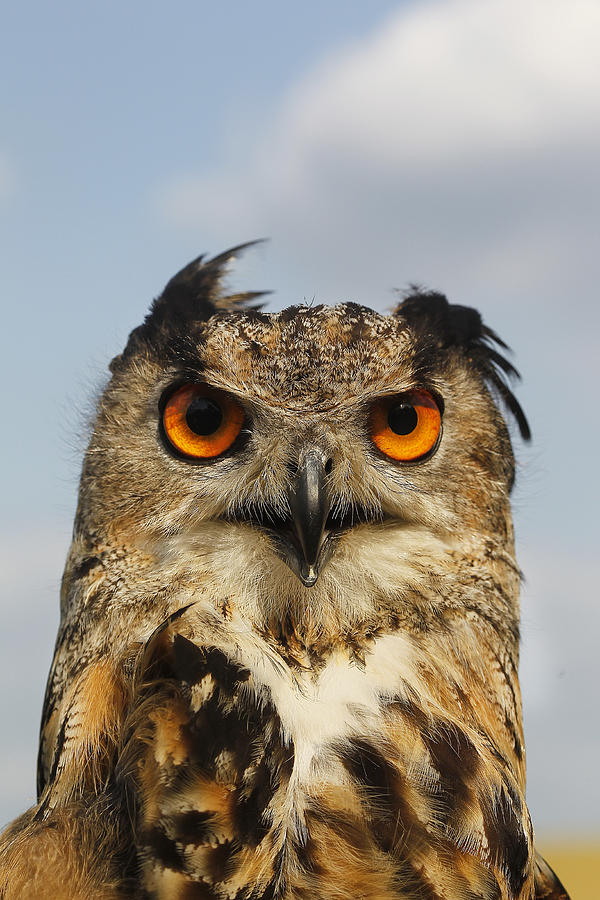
column 288, row 671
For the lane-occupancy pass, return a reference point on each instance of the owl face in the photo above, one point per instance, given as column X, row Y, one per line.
column 289, row 449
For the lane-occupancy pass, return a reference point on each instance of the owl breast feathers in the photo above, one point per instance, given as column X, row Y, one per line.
column 287, row 658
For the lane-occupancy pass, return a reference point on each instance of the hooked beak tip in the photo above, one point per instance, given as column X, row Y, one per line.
column 309, row 575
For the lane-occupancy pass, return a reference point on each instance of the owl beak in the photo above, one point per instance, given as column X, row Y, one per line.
column 310, row 507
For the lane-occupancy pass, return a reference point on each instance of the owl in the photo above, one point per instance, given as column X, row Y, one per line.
column 287, row 659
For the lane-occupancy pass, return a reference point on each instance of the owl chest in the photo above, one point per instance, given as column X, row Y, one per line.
column 249, row 760
column 259, row 780
column 252, row 721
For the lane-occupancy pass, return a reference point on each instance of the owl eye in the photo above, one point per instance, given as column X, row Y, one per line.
column 201, row 422
column 406, row 427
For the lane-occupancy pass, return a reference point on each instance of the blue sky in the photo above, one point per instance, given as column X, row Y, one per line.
column 448, row 142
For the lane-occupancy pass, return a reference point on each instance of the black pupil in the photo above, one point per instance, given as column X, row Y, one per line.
column 203, row 416
column 403, row 418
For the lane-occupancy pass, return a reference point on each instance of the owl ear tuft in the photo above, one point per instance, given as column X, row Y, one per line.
column 197, row 287
column 440, row 326
column 193, row 295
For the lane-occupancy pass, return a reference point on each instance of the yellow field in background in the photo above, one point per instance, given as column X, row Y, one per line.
column 577, row 864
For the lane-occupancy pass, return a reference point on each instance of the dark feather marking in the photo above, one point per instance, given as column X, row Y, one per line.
column 457, row 761
column 219, row 861
column 191, row 663
column 547, row 884
column 513, row 795
column 188, row 660
column 508, row 843
column 163, row 848
column 85, row 566
column 499, row 626
column 250, row 807
column 385, row 788
column 290, row 313
column 278, row 883
column 358, row 835
column 192, row 827
column 307, row 856
column 516, row 739
column 369, row 766
column 58, row 749
column 196, row 890
column 507, row 680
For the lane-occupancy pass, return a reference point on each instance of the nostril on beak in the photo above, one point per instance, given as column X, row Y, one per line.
column 293, row 466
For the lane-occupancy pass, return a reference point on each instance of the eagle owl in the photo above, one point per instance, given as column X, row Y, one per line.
column 287, row 657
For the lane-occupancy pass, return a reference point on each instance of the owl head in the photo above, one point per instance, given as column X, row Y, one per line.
column 323, row 456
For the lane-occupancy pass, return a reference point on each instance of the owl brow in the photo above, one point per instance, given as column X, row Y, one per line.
column 184, row 354
column 189, row 374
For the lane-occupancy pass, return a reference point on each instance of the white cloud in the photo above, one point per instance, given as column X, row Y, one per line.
column 459, row 130
column 446, row 81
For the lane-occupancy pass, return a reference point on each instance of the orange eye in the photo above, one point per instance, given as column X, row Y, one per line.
column 406, row 427
column 202, row 422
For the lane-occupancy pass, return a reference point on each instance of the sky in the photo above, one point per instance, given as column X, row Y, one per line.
column 451, row 143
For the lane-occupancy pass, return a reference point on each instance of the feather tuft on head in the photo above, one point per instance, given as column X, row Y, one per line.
column 442, row 326
column 193, row 295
